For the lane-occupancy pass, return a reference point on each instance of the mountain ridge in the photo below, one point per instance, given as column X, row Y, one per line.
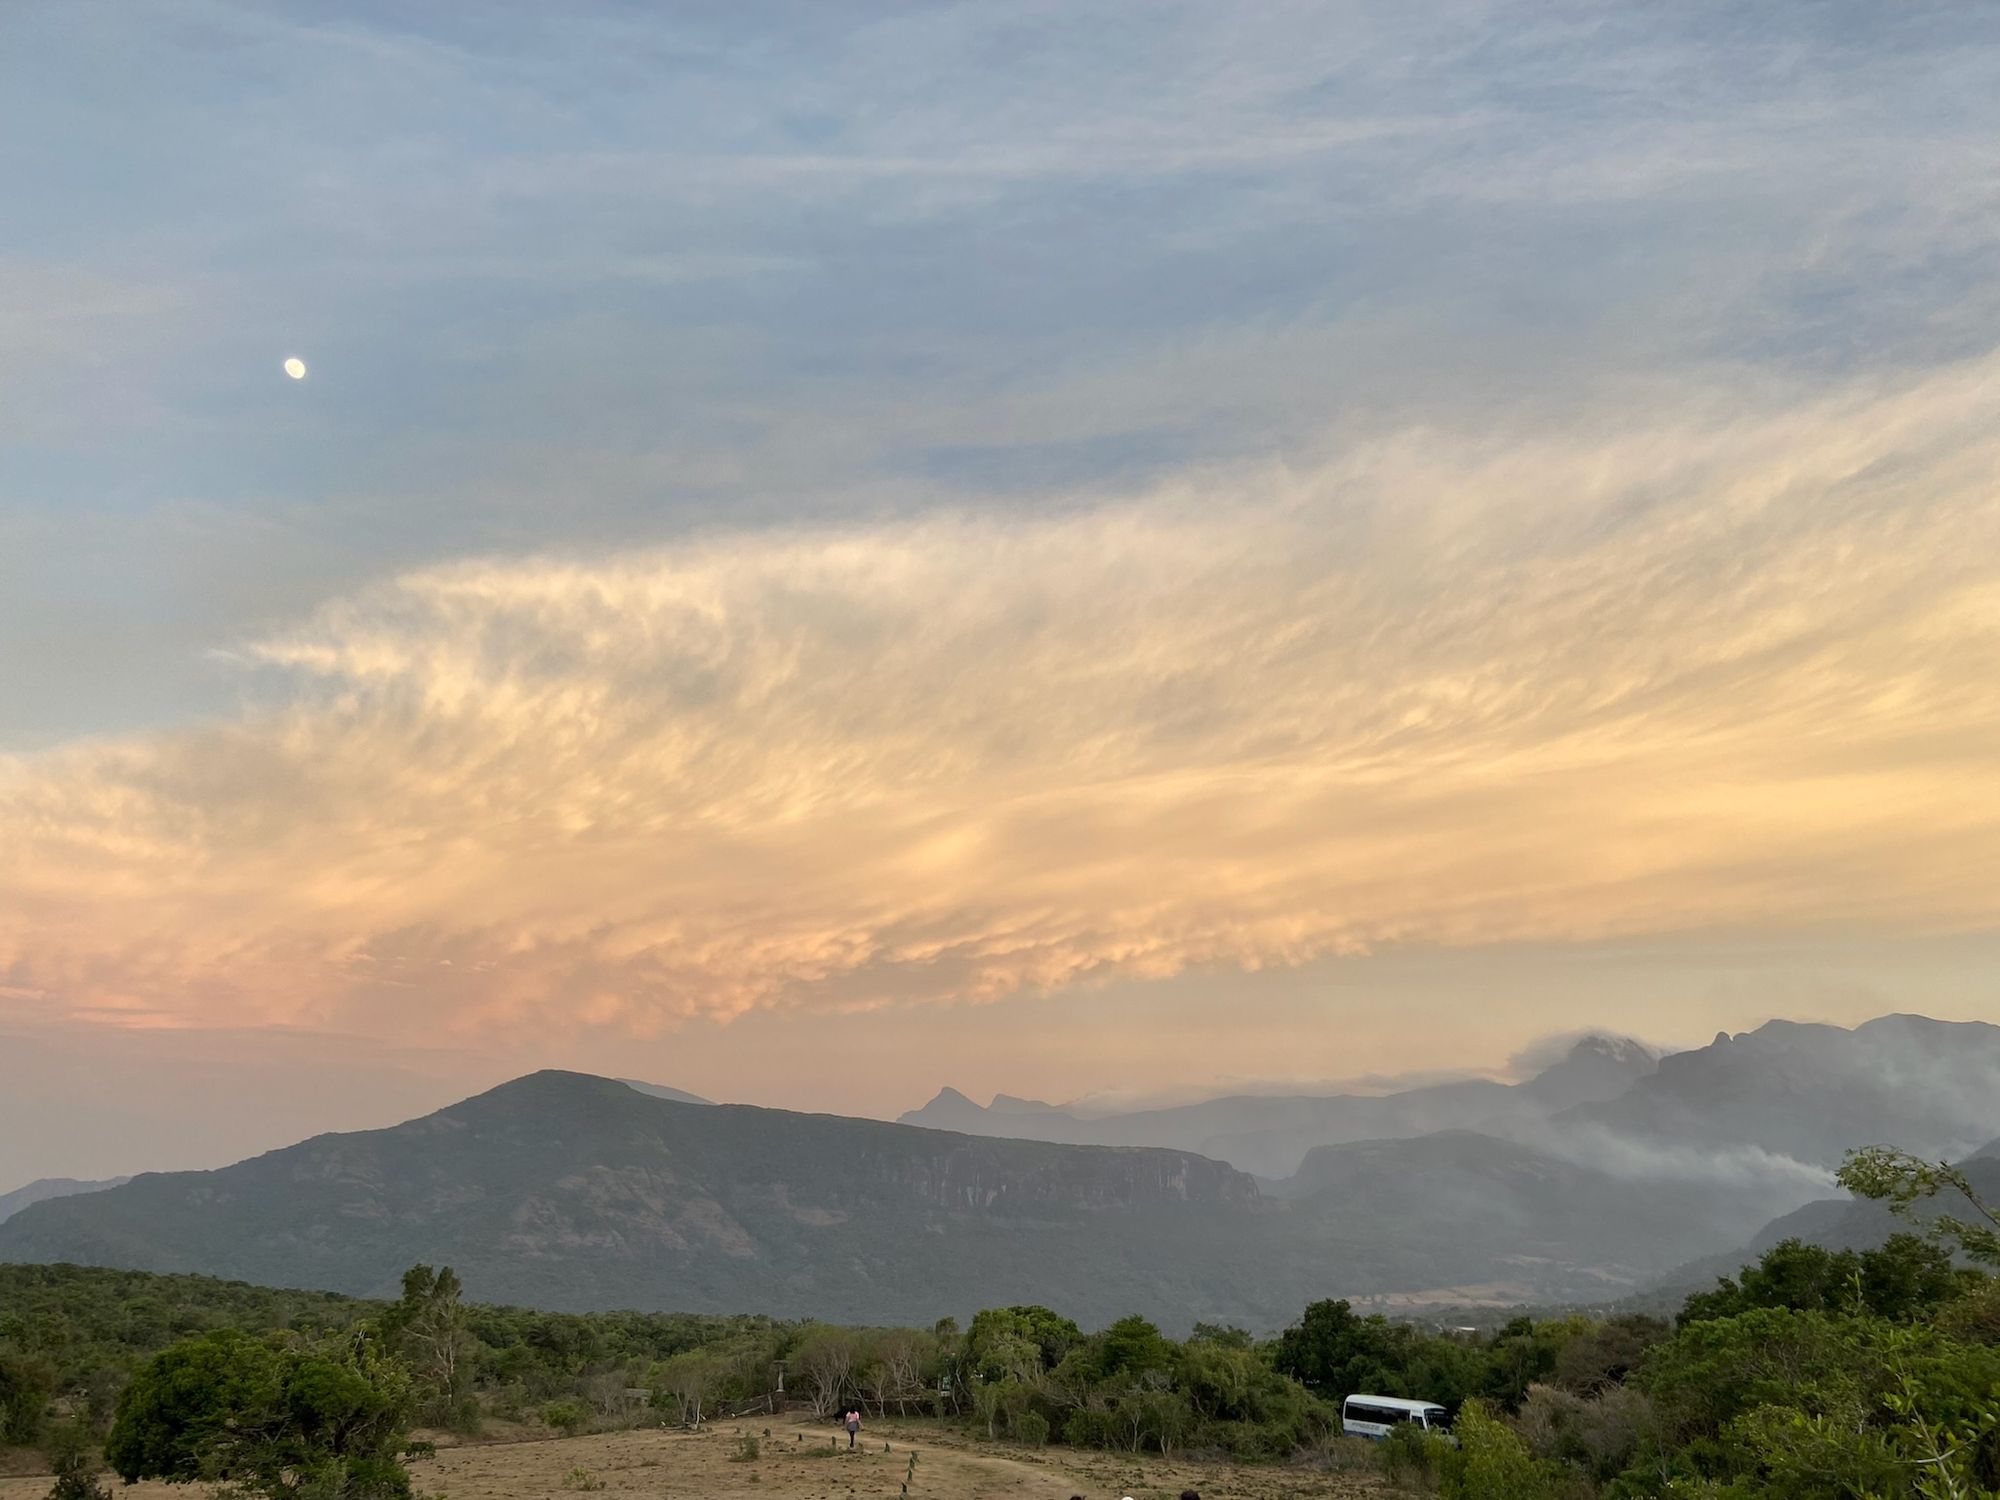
column 1270, row 1134
column 573, row 1192
column 45, row 1188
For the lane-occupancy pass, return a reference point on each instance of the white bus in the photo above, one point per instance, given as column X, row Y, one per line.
column 1378, row 1416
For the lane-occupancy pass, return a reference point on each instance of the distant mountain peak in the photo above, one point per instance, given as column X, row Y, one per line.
column 1624, row 1049
column 1597, row 1067
column 948, row 1109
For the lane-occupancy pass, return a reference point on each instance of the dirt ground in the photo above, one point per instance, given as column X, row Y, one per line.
column 798, row 1463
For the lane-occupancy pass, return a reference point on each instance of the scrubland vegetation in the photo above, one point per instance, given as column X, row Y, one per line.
column 1814, row 1373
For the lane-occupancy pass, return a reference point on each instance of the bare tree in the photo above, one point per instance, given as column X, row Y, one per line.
column 692, row 1380
column 825, row 1358
column 903, row 1356
column 879, row 1384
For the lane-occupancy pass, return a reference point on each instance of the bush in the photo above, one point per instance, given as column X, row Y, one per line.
column 1092, row 1429
column 510, row 1403
column 1342, row 1455
column 748, row 1449
column 1032, row 1428
column 581, row 1479
column 76, row 1460
column 1410, row 1457
column 1491, row 1463
column 283, row 1420
column 566, row 1416
column 1599, row 1436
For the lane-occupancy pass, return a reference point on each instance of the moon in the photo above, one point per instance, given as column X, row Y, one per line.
column 296, row 368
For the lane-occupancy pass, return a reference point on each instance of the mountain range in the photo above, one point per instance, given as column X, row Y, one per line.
column 1269, row 1135
column 568, row 1191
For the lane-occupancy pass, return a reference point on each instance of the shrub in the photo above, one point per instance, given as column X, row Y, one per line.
column 1032, row 1428
column 76, row 1461
column 1491, row 1463
column 748, row 1449
column 510, row 1402
column 281, row 1420
column 566, row 1416
column 1409, row 1457
column 581, row 1479
column 1342, row 1455
column 1087, row 1428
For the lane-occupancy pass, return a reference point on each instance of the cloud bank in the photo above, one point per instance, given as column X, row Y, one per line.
column 1730, row 667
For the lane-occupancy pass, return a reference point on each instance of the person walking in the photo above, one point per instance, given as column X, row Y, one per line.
column 853, row 1425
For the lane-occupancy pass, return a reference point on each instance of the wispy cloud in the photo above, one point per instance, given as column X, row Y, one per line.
column 1716, row 670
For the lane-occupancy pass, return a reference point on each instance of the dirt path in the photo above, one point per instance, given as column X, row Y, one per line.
column 800, row 1462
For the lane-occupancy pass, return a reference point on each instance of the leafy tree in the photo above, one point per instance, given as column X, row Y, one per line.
column 1792, row 1274
column 26, row 1383
column 1910, row 1278
column 1018, row 1341
column 1523, row 1353
column 1811, row 1405
column 1602, row 1355
column 1130, row 1349
column 1904, row 1181
column 279, row 1419
column 1906, row 1278
column 1330, row 1350
column 428, row 1327
column 1228, row 1335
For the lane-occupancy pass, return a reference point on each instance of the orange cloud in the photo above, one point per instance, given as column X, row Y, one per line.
column 1721, row 669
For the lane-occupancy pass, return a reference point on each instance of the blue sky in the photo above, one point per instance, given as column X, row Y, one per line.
column 783, row 419
column 618, row 273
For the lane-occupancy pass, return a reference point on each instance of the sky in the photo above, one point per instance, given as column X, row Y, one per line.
column 829, row 550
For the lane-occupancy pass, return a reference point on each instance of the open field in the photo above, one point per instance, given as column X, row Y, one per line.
column 798, row 1464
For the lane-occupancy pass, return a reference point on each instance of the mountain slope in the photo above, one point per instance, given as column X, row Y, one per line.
column 1843, row 1223
column 565, row 1191
column 51, row 1187
column 1424, row 1212
column 1811, row 1092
